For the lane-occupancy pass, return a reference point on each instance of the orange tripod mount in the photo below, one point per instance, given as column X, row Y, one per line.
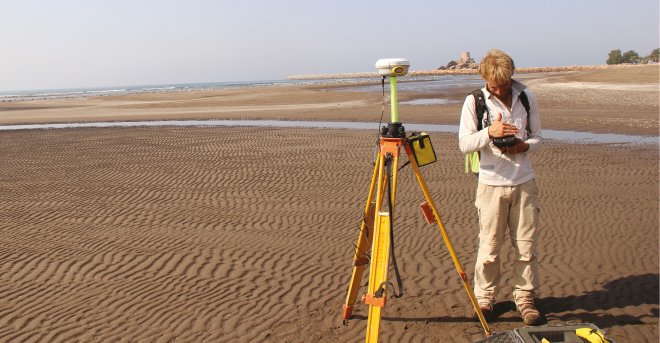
column 375, row 232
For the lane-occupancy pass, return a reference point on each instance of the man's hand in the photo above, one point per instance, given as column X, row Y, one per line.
column 499, row 129
column 518, row 148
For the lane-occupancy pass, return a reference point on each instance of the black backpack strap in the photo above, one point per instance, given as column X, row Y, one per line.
column 480, row 103
column 525, row 103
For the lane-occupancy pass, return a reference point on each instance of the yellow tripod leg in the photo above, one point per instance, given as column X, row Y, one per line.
column 450, row 247
column 364, row 245
column 379, row 267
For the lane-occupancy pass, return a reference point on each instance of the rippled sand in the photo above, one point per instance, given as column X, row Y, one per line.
column 245, row 234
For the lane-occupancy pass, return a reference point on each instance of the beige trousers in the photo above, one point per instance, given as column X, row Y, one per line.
column 516, row 208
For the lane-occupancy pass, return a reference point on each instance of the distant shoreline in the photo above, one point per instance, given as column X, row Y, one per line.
column 450, row 72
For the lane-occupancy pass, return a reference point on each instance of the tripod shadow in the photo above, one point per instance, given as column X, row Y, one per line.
column 445, row 319
column 635, row 290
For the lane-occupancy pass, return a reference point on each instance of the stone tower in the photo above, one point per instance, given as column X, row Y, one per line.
column 465, row 55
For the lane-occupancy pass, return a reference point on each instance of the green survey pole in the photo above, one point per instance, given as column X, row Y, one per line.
column 395, row 113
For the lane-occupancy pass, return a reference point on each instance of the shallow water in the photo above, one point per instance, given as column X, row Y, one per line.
column 423, row 84
column 429, row 102
column 571, row 136
column 432, row 86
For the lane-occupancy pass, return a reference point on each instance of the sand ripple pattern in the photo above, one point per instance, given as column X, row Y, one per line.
column 244, row 235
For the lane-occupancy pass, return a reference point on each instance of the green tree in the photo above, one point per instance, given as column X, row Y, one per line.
column 615, row 57
column 654, row 56
column 630, row 56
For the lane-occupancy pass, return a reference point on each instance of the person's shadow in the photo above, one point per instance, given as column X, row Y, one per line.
column 627, row 291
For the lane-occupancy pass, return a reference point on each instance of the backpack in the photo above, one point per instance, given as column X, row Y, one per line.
column 472, row 159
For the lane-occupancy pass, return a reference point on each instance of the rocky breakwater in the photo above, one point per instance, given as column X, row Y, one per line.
column 463, row 63
column 518, row 70
column 446, row 72
column 364, row 75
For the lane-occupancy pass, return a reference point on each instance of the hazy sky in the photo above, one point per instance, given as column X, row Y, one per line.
column 69, row 44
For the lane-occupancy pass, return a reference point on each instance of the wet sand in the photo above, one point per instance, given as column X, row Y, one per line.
column 245, row 234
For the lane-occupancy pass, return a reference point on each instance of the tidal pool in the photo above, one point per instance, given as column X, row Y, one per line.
column 571, row 136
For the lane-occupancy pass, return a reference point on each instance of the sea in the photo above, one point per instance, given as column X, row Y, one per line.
column 430, row 84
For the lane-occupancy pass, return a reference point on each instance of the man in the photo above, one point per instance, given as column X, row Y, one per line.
column 507, row 193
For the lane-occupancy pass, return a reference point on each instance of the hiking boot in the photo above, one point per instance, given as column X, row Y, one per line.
column 487, row 311
column 530, row 315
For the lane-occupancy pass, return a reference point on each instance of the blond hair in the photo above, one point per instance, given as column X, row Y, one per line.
column 496, row 67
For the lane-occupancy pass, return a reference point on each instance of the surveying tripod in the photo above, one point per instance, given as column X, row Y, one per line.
column 375, row 231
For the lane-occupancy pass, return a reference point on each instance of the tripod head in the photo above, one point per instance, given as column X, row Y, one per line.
column 393, row 130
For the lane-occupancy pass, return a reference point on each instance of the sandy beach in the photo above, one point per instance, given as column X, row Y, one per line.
column 245, row 234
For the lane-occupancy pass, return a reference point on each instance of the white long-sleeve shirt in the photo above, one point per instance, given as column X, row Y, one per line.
column 496, row 168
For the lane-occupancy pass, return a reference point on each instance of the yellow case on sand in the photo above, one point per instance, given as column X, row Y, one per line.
column 592, row 335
